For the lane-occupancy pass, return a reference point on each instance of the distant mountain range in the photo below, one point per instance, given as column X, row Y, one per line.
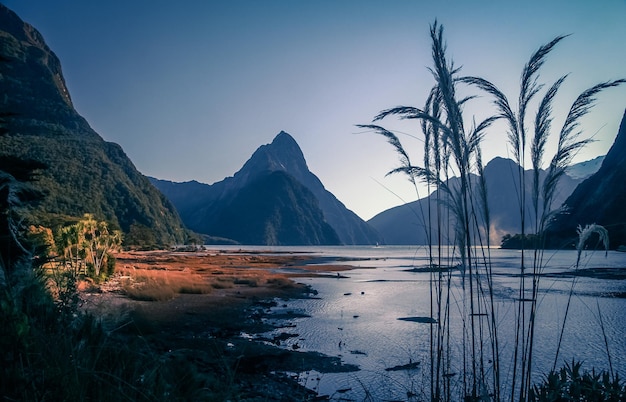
column 585, row 169
column 260, row 206
column 84, row 173
column 273, row 199
column 406, row 224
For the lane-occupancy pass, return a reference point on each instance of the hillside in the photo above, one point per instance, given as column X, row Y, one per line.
column 599, row 199
column 274, row 209
column 84, row 174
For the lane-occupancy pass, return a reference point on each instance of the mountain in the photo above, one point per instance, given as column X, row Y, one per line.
column 275, row 209
column 599, row 199
column 404, row 224
column 285, row 154
column 585, row 169
column 201, row 206
column 84, row 174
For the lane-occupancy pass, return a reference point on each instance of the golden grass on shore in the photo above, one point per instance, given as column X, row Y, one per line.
column 149, row 285
column 161, row 275
column 169, row 289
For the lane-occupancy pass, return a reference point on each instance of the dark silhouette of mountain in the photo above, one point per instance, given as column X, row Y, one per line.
column 201, row 205
column 274, row 209
column 84, row 173
column 270, row 208
column 599, row 199
column 405, row 224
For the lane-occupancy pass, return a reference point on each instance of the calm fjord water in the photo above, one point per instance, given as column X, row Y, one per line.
column 357, row 317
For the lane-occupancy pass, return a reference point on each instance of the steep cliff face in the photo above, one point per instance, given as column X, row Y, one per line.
column 85, row 174
column 202, row 206
column 599, row 199
column 32, row 80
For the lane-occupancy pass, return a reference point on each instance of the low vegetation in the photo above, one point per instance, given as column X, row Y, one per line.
column 153, row 285
column 52, row 350
column 520, row 242
column 571, row 383
column 157, row 276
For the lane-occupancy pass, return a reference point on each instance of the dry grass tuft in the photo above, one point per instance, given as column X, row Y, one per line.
column 160, row 285
column 252, row 282
column 281, row 282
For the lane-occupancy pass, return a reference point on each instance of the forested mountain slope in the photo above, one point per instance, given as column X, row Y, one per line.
column 84, row 174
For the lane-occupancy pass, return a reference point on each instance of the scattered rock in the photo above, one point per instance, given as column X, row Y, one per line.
column 408, row 366
column 423, row 320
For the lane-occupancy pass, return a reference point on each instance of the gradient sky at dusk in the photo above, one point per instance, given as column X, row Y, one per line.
column 190, row 89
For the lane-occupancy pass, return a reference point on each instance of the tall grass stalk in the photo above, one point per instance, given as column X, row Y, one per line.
column 542, row 196
column 606, row 340
column 583, row 236
column 452, row 148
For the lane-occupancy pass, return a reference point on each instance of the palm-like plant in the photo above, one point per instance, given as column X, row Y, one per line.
column 87, row 242
column 98, row 242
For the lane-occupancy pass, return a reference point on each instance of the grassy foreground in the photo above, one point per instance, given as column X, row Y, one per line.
column 167, row 326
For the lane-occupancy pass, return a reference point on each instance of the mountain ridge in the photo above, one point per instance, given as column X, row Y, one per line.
column 585, row 169
column 403, row 224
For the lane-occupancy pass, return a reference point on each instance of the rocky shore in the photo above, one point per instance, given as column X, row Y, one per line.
column 214, row 327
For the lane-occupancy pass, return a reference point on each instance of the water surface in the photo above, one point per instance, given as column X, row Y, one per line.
column 357, row 318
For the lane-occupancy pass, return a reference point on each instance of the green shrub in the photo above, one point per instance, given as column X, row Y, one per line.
column 571, row 384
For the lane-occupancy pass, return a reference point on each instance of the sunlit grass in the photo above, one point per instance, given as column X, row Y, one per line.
column 160, row 285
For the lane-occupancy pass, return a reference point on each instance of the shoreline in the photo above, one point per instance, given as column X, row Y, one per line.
column 204, row 329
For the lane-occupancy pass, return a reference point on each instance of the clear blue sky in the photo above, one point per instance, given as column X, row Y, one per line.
column 190, row 89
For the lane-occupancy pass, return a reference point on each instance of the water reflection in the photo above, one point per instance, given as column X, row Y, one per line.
column 357, row 318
